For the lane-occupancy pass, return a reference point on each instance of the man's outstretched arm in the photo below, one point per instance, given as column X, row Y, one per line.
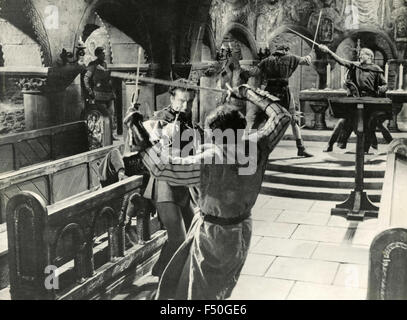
column 337, row 58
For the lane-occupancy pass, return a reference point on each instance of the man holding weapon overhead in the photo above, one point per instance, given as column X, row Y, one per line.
column 276, row 70
column 364, row 79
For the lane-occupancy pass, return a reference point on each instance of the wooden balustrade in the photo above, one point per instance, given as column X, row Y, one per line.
column 28, row 148
column 83, row 237
column 54, row 181
column 388, row 251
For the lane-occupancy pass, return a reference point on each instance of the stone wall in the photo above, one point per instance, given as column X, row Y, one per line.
column 18, row 48
column 11, row 119
column 11, row 107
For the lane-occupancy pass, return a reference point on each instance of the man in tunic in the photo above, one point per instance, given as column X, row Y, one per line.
column 364, row 79
column 276, row 71
column 173, row 203
column 208, row 264
column 99, row 86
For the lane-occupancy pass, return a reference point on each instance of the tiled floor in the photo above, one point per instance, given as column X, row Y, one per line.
column 299, row 251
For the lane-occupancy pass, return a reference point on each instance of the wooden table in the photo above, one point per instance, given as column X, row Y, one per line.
column 358, row 205
column 318, row 101
column 398, row 97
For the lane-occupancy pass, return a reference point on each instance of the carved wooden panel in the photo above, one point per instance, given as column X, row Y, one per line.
column 69, row 142
column 6, row 158
column 94, row 173
column 70, row 182
column 33, row 151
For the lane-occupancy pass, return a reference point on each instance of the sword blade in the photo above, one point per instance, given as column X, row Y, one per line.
column 127, row 76
column 304, row 37
column 316, row 31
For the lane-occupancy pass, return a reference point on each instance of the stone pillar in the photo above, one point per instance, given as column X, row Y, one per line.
column 44, row 108
column 74, row 102
column 37, row 110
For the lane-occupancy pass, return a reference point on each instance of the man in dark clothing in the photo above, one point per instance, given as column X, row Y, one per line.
column 99, row 86
column 276, row 70
column 365, row 79
column 173, row 203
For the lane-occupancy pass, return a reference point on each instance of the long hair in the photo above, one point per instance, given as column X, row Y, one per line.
column 224, row 117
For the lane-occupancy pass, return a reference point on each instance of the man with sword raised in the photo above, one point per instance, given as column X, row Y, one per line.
column 364, row 79
column 276, row 70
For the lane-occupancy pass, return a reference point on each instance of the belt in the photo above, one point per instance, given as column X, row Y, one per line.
column 365, row 93
column 278, row 81
column 225, row 221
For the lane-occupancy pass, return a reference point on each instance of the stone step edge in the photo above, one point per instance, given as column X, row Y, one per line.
column 317, row 181
column 325, row 138
column 329, row 172
column 313, row 193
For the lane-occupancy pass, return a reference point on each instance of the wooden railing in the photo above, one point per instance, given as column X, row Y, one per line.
column 54, row 181
column 32, row 147
column 388, row 251
column 83, row 237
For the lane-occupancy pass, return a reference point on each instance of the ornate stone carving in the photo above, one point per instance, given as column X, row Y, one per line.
column 32, row 84
column 331, row 21
column 400, row 23
column 96, row 127
column 98, row 38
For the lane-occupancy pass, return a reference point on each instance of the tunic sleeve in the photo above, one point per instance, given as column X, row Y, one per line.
column 185, row 174
column 275, row 127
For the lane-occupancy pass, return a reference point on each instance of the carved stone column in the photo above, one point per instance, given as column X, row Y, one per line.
column 37, row 106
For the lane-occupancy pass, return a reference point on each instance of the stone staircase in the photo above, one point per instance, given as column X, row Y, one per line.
column 325, row 176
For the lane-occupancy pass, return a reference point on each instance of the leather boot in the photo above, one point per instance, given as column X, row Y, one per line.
column 329, row 148
column 301, row 150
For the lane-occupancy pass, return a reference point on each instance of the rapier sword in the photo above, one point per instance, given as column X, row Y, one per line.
column 302, row 36
column 127, row 76
column 316, row 31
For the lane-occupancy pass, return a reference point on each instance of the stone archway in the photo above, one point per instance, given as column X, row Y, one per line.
column 98, row 38
column 246, row 40
column 374, row 39
column 24, row 16
column 131, row 26
column 208, row 45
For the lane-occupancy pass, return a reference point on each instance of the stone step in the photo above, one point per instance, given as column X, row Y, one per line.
column 319, row 181
column 306, row 169
column 324, row 135
column 313, row 193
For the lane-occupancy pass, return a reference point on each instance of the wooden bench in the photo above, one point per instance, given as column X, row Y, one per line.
column 32, row 147
column 83, row 237
column 54, row 181
column 388, row 251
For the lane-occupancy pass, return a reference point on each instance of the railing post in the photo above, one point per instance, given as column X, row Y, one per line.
column 27, row 248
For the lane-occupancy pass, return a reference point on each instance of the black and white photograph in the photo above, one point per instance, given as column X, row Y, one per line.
column 222, row 151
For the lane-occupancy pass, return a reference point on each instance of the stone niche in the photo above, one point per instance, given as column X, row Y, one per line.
column 11, row 106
